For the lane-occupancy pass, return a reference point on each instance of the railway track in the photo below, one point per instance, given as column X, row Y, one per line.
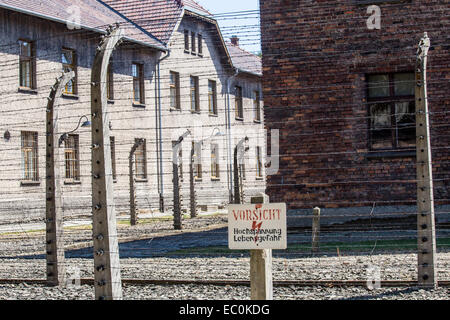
column 276, row 283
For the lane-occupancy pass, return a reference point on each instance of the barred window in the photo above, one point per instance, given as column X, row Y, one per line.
column 30, row 169
column 215, row 169
column 72, row 157
column 140, row 161
column 27, row 65
column 198, row 174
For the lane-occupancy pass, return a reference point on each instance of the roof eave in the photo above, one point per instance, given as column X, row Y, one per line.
column 214, row 22
column 259, row 75
column 93, row 29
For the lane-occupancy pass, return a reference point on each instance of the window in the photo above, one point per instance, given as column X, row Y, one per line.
column 175, row 90
column 113, row 157
column 195, row 95
column 193, row 42
column 259, row 168
column 212, row 97
column 257, row 105
column 186, row 40
column 180, row 159
column 391, row 101
column 27, row 65
column 198, row 174
column 215, row 169
column 110, row 82
column 238, row 103
column 69, row 62
column 140, row 161
column 138, row 83
column 72, row 160
column 30, row 170
column 200, row 45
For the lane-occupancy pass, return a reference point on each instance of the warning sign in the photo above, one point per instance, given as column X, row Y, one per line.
column 257, row 226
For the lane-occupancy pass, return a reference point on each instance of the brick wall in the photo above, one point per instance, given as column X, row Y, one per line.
column 316, row 57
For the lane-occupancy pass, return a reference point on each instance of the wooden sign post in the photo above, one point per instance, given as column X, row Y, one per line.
column 258, row 228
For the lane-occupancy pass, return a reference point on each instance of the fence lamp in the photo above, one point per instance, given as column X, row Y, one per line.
column 85, row 124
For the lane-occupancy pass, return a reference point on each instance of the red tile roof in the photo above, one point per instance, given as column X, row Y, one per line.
column 244, row 60
column 147, row 21
column 93, row 15
column 159, row 17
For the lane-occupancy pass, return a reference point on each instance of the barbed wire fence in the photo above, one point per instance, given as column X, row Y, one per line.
column 382, row 247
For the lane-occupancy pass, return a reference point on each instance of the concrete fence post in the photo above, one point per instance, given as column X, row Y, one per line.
column 315, row 230
column 425, row 200
column 54, row 218
column 133, row 213
column 108, row 284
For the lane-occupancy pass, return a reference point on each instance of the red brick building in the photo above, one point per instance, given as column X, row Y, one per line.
column 342, row 96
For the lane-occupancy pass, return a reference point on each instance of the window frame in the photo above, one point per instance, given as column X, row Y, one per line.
column 390, row 100
column 197, row 161
column 187, row 47
column 72, row 163
column 71, row 67
column 257, row 106
column 30, row 175
column 194, row 95
column 239, row 103
column 31, row 59
column 138, row 82
column 212, row 97
column 215, row 166
column 175, row 90
column 140, row 150
column 193, row 42
column 200, row 44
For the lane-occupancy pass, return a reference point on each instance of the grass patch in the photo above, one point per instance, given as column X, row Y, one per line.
column 146, row 221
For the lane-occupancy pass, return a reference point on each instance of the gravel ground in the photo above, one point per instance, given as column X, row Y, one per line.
column 393, row 266
column 239, row 293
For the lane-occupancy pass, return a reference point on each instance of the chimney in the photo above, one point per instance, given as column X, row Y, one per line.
column 235, row 41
